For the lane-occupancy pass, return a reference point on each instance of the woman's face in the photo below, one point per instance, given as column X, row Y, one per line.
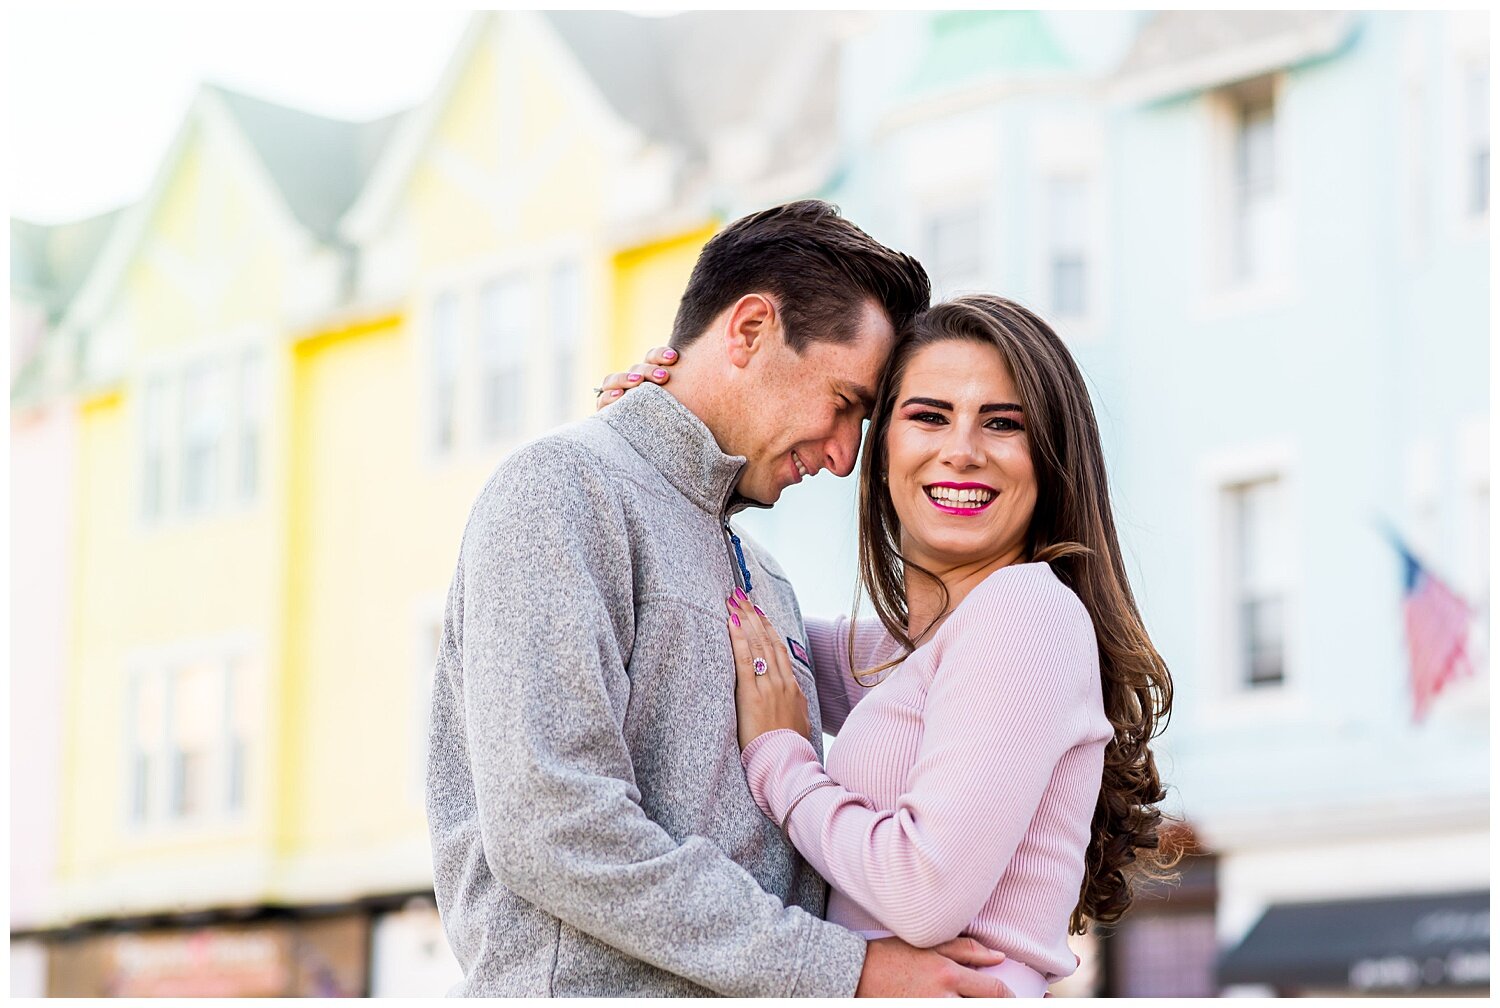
column 958, row 460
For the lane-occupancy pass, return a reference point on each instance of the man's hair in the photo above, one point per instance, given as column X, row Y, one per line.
column 818, row 267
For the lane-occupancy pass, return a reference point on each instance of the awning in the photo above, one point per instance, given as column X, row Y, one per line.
column 1382, row 945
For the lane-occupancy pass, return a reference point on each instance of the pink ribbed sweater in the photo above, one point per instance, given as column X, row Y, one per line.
column 966, row 780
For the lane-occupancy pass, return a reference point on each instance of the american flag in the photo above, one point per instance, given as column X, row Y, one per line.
column 1437, row 632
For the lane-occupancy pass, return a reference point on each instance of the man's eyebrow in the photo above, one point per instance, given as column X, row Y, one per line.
column 1003, row 407
column 860, row 392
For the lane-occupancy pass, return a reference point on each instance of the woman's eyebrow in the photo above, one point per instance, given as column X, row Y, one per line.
column 941, row 404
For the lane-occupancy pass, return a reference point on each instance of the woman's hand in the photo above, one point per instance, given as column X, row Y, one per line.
column 770, row 698
column 655, row 368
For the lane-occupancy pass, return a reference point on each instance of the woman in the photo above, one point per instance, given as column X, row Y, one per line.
column 998, row 780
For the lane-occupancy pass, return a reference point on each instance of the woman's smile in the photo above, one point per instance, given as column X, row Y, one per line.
column 964, row 499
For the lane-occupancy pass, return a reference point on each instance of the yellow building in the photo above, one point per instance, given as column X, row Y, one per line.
column 178, row 728
column 302, row 355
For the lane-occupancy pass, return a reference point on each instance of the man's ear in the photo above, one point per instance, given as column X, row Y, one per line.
column 753, row 321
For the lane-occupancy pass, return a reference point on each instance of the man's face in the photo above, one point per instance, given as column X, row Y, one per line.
column 805, row 413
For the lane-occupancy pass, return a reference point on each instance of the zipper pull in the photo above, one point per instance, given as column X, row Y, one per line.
column 739, row 554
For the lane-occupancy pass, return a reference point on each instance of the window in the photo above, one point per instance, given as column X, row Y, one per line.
column 192, row 721
column 1477, row 138
column 1067, row 257
column 219, row 423
column 1253, row 194
column 237, row 721
column 154, row 448
column 188, row 738
column 144, row 730
column 202, row 421
column 1259, row 563
column 954, row 240
column 503, row 329
column 445, row 361
column 565, row 295
column 251, row 416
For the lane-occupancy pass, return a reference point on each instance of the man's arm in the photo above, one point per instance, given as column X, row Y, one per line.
column 548, row 622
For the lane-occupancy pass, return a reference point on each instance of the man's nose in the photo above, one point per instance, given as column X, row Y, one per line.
column 843, row 450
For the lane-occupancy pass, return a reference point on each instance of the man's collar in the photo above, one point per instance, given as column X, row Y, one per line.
column 671, row 437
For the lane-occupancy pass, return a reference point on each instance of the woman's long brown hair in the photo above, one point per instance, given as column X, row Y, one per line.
column 1072, row 529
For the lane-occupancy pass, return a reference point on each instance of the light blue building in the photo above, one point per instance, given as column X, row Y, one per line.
column 1265, row 236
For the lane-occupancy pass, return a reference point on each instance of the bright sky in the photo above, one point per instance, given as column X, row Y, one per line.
column 94, row 97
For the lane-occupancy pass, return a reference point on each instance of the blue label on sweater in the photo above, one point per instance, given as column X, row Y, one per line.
column 799, row 652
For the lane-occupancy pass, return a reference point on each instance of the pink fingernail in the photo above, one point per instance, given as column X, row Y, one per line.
column 760, row 610
column 632, row 377
column 615, row 392
column 740, row 593
column 659, row 373
column 734, row 603
column 735, row 618
column 669, row 354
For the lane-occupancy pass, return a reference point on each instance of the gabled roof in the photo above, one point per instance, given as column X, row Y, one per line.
column 48, row 262
column 318, row 164
column 1178, row 52
column 683, row 82
column 682, row 78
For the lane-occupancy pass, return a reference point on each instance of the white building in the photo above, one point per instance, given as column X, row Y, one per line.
column 1265, row 237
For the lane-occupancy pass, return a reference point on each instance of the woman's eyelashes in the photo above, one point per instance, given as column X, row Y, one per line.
column 998, row 423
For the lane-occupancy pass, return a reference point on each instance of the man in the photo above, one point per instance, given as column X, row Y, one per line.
column 592, row 830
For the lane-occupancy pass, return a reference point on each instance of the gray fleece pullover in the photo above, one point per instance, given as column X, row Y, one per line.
column 592, row 830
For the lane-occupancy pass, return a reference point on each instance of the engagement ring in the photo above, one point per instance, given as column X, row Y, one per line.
column 760, row 666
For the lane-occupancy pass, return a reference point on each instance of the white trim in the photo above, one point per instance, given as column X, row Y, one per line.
column 170, row 365
column 1465, row 46
column 216, row 819
column 1071, row 148
column 1221, row 292
column 534, row 264
column 1226, row 701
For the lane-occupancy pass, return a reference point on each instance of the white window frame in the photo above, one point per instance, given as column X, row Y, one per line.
column 453, row 304
column 157, row 422
column 1225, row 291
column 1228, row 700
column 160, row 667
column 1467, row 46
column 535, row 267
column 203, row 427
column 251, row 409
column 970, row 203
column 1070, row 146
column 502, row 338
column 1078, row 246
column 238, row 412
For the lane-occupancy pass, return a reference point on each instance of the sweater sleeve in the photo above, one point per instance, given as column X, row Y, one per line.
column 837, row 691
column 547, row 607
column 1006, row 701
